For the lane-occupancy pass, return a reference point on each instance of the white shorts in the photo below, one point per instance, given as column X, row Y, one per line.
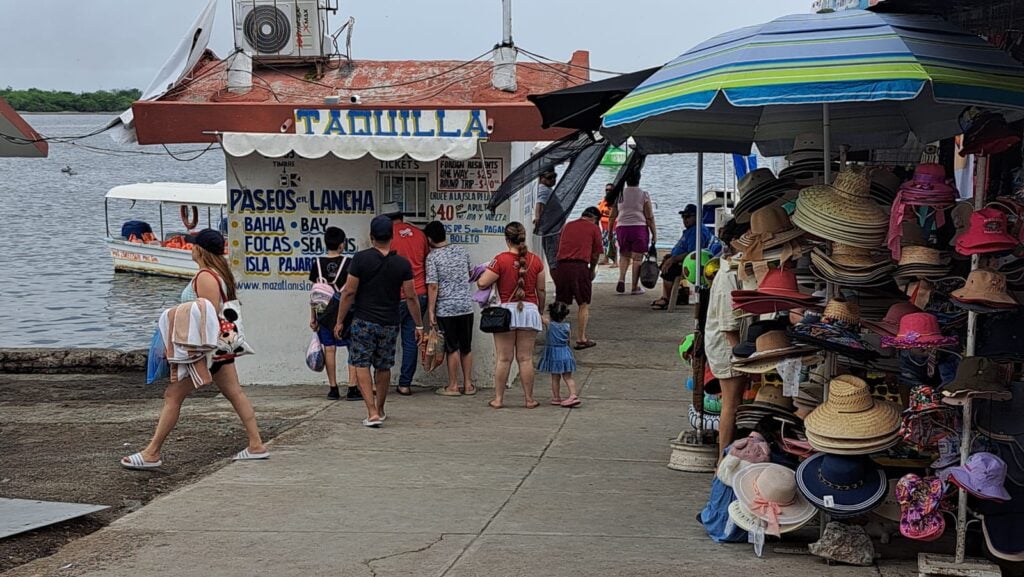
column 526, row 319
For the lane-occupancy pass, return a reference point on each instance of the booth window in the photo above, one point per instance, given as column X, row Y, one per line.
column 408, row 189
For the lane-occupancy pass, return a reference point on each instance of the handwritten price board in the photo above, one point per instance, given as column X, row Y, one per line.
column 473, row 175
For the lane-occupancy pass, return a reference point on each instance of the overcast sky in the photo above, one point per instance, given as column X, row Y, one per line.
column 84, row 45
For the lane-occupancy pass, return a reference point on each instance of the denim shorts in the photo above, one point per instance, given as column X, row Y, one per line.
column 372, row 345
column 328, row 339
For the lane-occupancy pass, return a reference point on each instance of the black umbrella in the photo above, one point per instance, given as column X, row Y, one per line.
column 580, row 107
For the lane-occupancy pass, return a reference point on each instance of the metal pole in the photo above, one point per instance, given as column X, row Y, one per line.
column 506, row 22
column 826, row 122
column 700, row 219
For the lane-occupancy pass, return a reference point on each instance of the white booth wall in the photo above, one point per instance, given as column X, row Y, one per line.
column 278, row 209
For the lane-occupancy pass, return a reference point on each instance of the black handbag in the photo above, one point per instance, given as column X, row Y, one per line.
column 495, row 320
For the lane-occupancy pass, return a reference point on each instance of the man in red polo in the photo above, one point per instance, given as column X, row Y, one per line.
column 579, row 249
column 409, row 242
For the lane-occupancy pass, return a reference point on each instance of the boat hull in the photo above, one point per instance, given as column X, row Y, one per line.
column 151, row 259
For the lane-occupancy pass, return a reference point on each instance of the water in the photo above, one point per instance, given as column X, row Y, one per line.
column 61, row 287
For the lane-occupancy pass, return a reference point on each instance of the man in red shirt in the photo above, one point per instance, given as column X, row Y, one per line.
column 579, row 249
column 410, row 243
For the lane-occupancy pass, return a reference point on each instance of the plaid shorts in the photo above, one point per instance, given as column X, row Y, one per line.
column 372, row 345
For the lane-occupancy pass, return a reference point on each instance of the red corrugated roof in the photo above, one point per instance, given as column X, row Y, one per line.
column 382, row 82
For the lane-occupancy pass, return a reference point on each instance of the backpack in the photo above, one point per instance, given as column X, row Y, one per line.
column 324, row 292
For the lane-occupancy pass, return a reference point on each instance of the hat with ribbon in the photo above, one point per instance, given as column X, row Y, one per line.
column 750, row 449
column 842, row 486
column 850, row 413
column 770, row 227
column 919, row 499
column 986, row 288
column 842, row 212
column 983, row 476
column 918, row 331
column 890, row 325
column 928, row 188
column 770, row 349
column 769, row 492
column 986, row 232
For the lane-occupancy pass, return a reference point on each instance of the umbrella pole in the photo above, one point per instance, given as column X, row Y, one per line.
column 826, row 122
column 698, row 378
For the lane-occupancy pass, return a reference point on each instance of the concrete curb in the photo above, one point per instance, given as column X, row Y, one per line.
column 55, row 361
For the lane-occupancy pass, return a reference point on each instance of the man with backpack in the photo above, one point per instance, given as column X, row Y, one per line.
column 328, row 275
column 378, row 279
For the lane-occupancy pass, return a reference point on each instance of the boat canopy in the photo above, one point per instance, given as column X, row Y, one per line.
column 174, row 192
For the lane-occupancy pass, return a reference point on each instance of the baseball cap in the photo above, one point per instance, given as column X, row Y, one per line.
column 690, row 209
column 592, row 211
column 208, row 239
column 380, row 227
column 548, row 172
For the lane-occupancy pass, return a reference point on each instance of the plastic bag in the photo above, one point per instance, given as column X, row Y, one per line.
column 432, row 352
column 157, row 366
column 315, row 358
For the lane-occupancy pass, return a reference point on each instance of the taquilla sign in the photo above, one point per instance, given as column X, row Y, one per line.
column 401, row 122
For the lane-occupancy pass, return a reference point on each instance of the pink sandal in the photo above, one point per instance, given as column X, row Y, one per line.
column 572, row 401
column 556, row 402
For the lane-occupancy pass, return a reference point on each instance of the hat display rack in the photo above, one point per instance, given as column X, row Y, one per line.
column 840, row 430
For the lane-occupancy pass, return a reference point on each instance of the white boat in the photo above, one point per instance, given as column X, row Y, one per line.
column 159, row 252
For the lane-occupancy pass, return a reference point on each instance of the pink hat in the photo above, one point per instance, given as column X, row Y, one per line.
column 751, row 449
column 890, row 325
column 918, row 331
column 929, row 178
column 986, row 232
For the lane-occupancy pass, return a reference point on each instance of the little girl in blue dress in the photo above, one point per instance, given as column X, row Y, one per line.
column 557, row 357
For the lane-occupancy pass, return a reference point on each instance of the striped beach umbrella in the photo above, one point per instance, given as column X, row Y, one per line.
column 883, row 76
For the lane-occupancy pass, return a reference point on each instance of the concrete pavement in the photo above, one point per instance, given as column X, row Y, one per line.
column 450, row 487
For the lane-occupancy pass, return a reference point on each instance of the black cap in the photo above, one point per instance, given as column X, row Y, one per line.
column 380, row 228
column 208, row 239
column 691, row 209
column 592, row 212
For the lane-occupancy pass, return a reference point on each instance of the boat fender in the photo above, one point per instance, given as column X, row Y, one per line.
column 190, row 223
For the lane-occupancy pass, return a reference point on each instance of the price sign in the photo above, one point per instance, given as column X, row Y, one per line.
column 472, row 175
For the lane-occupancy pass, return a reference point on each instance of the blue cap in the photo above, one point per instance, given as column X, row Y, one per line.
column 380, row 228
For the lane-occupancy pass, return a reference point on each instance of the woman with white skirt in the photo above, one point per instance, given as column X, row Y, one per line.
column 520, row 279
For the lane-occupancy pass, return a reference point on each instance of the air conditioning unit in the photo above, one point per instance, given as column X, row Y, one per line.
column 281, row 30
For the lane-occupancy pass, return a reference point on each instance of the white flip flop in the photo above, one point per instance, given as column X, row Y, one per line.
column 374, row 424
column 135, row 462
column 245, row 455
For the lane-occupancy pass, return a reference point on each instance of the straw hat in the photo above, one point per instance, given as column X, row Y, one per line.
column 770, row 349
column 769, row 491
column 760, row 188
column 806, row 147
column 922, row 262
column 842, row 212
column 747, row 521
column 769, row 227
column 852, row 266
column 854, row 447
column 985, row 287
column 851, row 413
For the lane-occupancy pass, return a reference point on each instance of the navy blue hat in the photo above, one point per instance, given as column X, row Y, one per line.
column 380, row 228
column 208, row 239
column 842, row 486
column 691, row 209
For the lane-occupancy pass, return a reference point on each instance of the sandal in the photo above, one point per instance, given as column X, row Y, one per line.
column 246, row 455
column 444, row 392
column 373, row 424
column 660, row 304
column 638, row 291
column 532, row 405
column 572, row 401
column 620, row 287
column 494, row 406
column 469, row 392
column 556, row 402
column 580, row 345
column 135, row 462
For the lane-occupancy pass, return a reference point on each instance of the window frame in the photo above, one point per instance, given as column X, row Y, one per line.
column 385, row 180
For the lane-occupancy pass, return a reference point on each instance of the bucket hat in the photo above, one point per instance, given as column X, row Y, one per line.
column 890, row 324
column 919, row 499
column 986, row 233
column 837, row 329
column 977, row 374
column 844, row 543
column 842, row 212
column 949, row 452
column 983, row 476
column 750, row 449
column 770, row 349
column 843, row 486
column 986, row 288
column 851, row 413
column 918, row 331
column 769, row 492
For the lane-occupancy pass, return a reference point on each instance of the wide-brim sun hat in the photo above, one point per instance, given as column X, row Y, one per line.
column 771, row 348
column 853, row 447
column 851, row 413
column 760, row 482
column 918, row 331
column 747, row 521
column 890, row 324
column 852, row 485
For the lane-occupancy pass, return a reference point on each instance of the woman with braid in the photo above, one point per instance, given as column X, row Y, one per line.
column 519, row 276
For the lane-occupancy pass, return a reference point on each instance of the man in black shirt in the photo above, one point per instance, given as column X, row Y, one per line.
column 332, row 269
column 376, row 279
